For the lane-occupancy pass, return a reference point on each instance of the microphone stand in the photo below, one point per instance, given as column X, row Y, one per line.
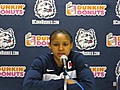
column 64, row 58
column 65, row 74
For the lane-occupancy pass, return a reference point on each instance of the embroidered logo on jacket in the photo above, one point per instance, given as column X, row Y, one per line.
column 69, row 64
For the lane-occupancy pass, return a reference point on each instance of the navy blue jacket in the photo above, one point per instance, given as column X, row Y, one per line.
column 44, row 74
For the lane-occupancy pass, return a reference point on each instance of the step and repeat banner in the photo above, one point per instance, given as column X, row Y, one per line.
column 25, row 26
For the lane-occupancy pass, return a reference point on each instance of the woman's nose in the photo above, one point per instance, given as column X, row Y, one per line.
column 61, row 47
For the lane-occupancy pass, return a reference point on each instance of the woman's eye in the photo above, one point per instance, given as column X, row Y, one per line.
column 65, row 44
column 55, row 44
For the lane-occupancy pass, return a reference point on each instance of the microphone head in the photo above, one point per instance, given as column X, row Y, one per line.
column 63, row 57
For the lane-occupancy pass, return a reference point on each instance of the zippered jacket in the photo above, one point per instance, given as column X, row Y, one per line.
column 44, row 74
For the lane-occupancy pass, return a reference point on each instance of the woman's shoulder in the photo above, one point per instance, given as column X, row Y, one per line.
column 75, row 56
column 75, row 53
column 42, row 58
column 78, row 59
column 46, row 56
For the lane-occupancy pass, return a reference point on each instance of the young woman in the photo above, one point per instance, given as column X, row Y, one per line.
column 47, row 73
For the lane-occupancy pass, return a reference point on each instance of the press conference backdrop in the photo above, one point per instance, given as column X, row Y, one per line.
column 25, row 26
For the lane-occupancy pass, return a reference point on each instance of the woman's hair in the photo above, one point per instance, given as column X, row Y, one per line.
column 55, row 32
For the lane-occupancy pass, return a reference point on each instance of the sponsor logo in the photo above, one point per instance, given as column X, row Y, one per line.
column 117, row 10
column 90, row 53
column 116, row 22
column 45, row 9
column 12, row 71
column 112, row 40
column 7, row 39
column 99, row 71
column 12, row 9
column 36, row 40
column 85, row 9
column 85, row 39
column 9, row 53
column 117, row 69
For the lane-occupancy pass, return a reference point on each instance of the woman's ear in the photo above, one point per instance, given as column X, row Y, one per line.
column 71, row 45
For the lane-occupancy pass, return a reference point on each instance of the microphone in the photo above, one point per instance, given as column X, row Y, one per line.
column 64, row 58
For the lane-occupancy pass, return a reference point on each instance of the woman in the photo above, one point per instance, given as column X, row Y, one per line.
column 47, row 73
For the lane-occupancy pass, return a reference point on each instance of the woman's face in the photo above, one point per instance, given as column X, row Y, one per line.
column 60, row 45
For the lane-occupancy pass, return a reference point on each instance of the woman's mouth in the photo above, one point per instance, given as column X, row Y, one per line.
column 60, row 54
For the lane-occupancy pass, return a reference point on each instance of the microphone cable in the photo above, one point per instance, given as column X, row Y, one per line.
column 75, row 81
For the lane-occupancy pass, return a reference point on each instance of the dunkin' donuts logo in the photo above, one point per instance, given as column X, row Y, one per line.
column 99, row 71
column 36, row 40
column 85, row 9
column 12, row 71
column 12, row 9
column 112, row 40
